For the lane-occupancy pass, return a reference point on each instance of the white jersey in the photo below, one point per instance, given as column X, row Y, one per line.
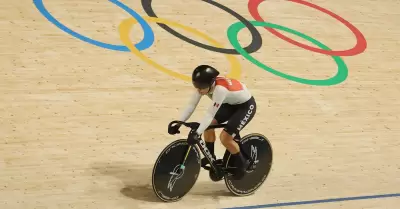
column 229, row 91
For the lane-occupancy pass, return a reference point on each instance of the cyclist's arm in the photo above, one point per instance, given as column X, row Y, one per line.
column 191, row 106
column 218, row 97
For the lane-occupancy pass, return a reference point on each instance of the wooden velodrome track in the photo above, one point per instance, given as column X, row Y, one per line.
column 81, row 124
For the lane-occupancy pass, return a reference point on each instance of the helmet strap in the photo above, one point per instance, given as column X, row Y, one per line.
column 211, row 87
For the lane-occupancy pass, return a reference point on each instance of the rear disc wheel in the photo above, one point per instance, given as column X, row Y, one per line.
column 257, row 148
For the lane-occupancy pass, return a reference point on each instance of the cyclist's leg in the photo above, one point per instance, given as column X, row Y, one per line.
column 209, row 137
column 236, row 123
column 223, row 114
column 240, row 118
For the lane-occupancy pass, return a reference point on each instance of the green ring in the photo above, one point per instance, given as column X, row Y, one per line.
column 340, row 76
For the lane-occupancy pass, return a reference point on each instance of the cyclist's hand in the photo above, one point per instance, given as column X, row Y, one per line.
column 174, row 129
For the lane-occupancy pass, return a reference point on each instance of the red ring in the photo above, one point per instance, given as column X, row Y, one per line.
column 357, row 49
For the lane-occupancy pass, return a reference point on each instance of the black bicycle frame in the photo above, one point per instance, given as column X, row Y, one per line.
column 201, row 144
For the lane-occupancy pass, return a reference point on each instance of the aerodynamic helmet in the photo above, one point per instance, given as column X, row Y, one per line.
column 204, row 76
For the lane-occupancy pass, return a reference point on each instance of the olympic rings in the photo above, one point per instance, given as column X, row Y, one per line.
column 256, row 43
column 127, row 24
column 357, row 49
column 147, row 41
column 341, row 75
column 254, row 46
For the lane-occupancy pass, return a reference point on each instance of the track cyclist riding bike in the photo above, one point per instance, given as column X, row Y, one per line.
column 231, row 102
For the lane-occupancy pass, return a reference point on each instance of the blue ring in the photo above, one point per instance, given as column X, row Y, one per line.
column 147, row 41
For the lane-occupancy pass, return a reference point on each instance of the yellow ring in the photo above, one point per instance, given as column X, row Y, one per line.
column 126, row 25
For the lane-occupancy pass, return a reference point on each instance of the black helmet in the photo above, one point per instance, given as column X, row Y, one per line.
column 204, row 76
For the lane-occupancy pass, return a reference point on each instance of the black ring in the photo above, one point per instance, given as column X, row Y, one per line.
column 255, row 44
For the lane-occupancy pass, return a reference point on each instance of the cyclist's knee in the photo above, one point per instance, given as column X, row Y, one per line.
column 226, row 136
column 209, row 132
